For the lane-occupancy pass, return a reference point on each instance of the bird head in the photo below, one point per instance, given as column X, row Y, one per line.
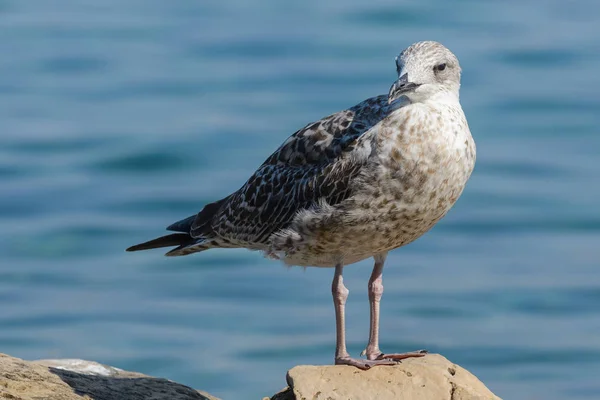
column 425, row 69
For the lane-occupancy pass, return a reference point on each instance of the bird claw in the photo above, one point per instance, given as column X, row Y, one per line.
column 381, row 359
column 401, row 356
column 362, row 364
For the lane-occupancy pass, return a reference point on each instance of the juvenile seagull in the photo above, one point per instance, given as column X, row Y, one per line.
column 353, row 185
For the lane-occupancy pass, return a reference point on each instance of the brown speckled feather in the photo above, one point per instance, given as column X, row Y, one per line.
column 355, row 184
column 311, row 165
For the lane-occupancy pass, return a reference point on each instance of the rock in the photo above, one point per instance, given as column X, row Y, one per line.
column 79, row 379
column 426, row 378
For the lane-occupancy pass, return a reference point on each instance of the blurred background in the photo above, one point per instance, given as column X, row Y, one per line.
column 120, row 117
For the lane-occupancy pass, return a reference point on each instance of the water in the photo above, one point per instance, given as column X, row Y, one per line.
column 119, row 117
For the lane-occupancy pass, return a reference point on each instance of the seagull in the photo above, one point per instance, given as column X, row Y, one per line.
column 353, row 185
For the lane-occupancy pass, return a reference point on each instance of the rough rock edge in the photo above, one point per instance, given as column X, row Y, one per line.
column 284, row 394
column 461, row 384
column 78, row 379
column 73, row 379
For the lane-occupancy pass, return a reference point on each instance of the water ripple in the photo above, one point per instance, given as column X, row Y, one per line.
column 118, row 118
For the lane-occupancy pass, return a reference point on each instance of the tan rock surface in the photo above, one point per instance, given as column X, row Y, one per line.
column 428, row 378
column 78, row 380
column 432, row 377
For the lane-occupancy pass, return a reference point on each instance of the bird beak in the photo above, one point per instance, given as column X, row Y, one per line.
column 400, row 87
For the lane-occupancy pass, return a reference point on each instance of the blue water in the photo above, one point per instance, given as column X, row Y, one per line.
column 119, row 117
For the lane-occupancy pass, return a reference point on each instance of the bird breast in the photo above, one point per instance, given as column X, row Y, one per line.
column 426, row 155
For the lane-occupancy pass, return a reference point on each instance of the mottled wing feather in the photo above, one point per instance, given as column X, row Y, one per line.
column 312, row 165
column 326, row 139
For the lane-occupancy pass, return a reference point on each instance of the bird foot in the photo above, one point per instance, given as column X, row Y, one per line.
column 401, row 356
column 381, row 359
column 362, row 364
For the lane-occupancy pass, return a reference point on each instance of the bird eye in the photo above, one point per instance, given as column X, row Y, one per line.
column 440, row 67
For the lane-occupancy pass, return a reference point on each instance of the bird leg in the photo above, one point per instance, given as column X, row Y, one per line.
column 375, row 292
column 340, row 294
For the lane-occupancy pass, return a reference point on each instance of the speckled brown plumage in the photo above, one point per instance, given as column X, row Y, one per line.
column 353, row 185
column 358, row 182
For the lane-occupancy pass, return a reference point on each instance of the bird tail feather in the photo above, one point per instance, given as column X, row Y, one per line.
column 174, row 239
column 196, row 233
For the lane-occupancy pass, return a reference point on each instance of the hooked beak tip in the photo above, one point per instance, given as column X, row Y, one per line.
column 400, row 87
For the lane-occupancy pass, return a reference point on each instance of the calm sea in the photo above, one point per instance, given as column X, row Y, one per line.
column 120, row 117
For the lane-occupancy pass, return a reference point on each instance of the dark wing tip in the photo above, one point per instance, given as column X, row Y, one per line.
column 175, row 239
column 182, row 226
column 137, row 247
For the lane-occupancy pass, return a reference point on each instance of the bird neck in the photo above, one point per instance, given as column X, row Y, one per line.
column 446, row 97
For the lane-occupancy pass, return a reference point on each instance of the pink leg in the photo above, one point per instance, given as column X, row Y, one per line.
column 340, row 294
column 375, row 292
